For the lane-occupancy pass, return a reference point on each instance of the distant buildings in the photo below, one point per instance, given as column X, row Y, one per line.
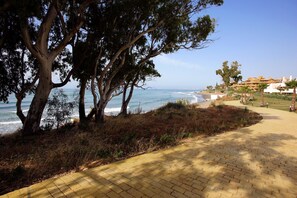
column 274, row 85
column 253, row 82
column 279, row 87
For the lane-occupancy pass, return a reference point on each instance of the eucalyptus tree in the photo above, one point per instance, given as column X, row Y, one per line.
column 137, row 76
column 17, row 68
column 150, row 27
column 230, row 74
column 84, row 60
column 45, row 28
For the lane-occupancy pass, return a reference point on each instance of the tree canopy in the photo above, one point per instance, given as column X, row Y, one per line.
column 230, row 74
column 110, row 43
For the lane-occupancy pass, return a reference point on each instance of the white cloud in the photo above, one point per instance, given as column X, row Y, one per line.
column 166, row 60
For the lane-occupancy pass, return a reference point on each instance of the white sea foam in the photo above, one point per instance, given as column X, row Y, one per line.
column 11, row 122
column 195, row 100
column 24, row 111
column 112, row 110
column 195, row 97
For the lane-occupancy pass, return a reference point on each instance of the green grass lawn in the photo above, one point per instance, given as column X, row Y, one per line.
column 274, row 103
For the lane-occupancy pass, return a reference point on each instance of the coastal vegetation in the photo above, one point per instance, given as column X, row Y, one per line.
column 107, row 46
column 275, row 101
column 78, row 146
column 244, row 91
column 59, row 110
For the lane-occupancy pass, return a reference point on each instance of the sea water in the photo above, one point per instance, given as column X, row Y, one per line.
column 145, row 100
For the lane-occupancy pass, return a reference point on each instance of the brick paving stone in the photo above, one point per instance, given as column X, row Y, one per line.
column 124, row 194
column 150, row 192
column 112, row 194
column 135, row 193
column 178, row 194
column 191, row 194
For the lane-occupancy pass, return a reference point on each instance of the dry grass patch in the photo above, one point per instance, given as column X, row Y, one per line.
column 26, row 160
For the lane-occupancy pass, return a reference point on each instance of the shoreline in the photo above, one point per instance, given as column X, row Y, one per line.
column 14, row 126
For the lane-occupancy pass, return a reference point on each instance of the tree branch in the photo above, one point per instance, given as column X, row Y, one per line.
column 67, row 38
column 56, row 85
column 45, row 27
column 62, row 23
column 118, row 53
column 114, row 73
column 27, row 39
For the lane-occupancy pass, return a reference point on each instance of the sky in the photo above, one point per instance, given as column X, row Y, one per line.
column 260, row 34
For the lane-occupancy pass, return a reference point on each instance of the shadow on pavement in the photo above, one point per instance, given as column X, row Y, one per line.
column 250, row 167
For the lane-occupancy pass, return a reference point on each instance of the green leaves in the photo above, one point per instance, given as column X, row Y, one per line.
column 292, row 84
column 59, row 109
column 230, row 74
column 262, row 86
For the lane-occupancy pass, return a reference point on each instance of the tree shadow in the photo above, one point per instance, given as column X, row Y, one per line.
column 267, row 116
column 231, row 164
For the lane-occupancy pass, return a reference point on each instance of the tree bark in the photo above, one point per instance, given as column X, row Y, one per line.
column 20, row 113
column 100, row 107
column 124, row 106
column 99, row 116
column 44, row 87
column 81, row 105
column 125, row 102
column 45, row 57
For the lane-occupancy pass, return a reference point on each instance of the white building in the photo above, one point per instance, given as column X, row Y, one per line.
column 274, row 87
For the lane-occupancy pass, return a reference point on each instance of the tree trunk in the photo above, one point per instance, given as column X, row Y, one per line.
column 99, row 116
column 44, row 87
column 98, row 112
column 124, row 109
column 262, row 98
column 20, row 113
column 124, row 105
column 81, row 105
column 294, row 99
column 125, row 101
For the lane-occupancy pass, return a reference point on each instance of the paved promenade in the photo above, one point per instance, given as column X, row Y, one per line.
column 256, row 161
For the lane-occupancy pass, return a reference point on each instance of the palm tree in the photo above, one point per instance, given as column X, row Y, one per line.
column 244, row 90
column 261, row 88
column 292, row 85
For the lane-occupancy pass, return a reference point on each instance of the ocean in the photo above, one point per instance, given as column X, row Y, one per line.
column 147, row 100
